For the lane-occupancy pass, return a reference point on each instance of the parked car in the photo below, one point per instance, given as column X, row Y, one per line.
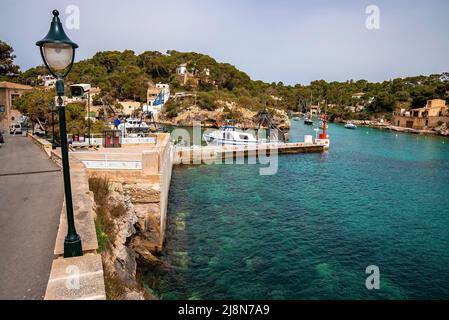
column 39, row 132
column 16, row 128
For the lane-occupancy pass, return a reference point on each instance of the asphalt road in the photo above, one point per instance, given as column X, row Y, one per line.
column 31, row 197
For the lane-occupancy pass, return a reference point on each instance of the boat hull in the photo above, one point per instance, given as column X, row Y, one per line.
column 214, row 141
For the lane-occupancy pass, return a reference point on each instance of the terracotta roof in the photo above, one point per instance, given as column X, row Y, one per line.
column 12, row 85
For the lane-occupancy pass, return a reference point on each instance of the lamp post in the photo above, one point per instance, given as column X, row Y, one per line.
column 52, row 109
column 58, row 53
column 88, row 115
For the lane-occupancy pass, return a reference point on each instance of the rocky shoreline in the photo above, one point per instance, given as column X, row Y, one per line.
column 128, row 215
column 442, row 130
column 243, row 118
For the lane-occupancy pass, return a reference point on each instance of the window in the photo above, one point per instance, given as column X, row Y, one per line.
column 243, row 137
column 2, row 108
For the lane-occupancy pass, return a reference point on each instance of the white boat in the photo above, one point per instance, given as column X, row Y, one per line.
column 230, row 135
column 350, row 125
column 133, row 124
column 308, row 120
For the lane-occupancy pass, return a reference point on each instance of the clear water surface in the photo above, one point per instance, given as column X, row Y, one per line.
column 310, row 231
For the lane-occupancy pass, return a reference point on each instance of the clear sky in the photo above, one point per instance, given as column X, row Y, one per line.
column 283, row 40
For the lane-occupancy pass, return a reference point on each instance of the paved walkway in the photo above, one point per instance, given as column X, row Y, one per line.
column 31, row 197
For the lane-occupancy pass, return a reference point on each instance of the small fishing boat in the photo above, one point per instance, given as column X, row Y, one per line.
column 308, row 121
column 350, row 125
column 296, row 118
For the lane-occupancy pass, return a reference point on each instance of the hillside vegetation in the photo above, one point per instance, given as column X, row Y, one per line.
column 124, row 76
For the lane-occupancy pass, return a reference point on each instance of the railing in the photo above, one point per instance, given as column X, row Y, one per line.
column 138, row 140
column 110, row 161
column 97, row 139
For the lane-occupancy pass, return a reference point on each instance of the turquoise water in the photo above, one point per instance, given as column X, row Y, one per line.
column 310, row 231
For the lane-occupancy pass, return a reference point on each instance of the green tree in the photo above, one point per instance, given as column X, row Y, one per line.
column 36, row 106
column 75, row 115
column 402, row 96
column 384, row 102
column 7, row 66
column 125, row 76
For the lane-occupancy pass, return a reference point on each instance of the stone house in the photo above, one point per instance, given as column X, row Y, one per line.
column 432, row 115
column 9, row 91
column 194, row 78
column 152, row 93
column 315, row 110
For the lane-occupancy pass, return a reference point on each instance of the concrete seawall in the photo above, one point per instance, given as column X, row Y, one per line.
column 166, row 166
column 136, row 166
column 211, row 154
column 79, row 277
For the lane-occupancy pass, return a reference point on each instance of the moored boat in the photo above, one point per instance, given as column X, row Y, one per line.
column 133, row 125
column 350, row 125
column 230, row 135
column 308, row 121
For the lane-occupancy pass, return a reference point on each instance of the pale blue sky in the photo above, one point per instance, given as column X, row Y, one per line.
column 289, row 41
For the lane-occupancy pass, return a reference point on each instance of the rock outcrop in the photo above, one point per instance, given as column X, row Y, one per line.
column 241, row 117
column 443, row 130
column 371, row 123
column 136, row 233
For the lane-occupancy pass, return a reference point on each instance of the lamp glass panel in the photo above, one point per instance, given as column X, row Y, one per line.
column 58, row 55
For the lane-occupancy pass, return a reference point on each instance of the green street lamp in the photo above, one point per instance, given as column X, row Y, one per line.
column 52, row 110
column 58, row 53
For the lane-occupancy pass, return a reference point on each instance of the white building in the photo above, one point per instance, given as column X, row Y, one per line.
column 358, row 95
column 165, row 90
column 47, row 81
column 182, row 69
column 153, row 94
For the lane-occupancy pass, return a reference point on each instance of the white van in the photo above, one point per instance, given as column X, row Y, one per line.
column 16, row 128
